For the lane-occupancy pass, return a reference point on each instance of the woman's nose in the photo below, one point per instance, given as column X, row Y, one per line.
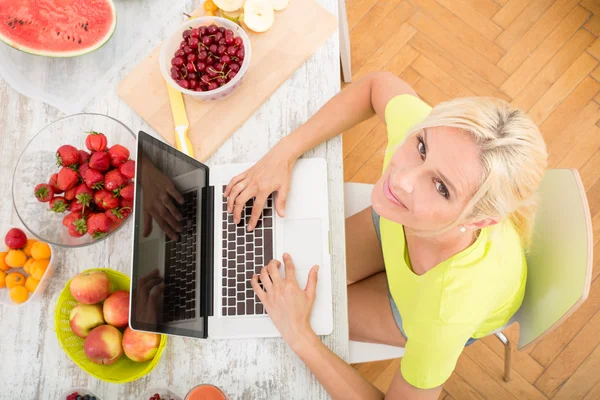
column 404, row 181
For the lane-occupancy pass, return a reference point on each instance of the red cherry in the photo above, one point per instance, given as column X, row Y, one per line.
column 231, row 50
column 221, row 50
column 193, row 84
column 218, row 36
column 202, row 55
column 232, row 75
column 229, row 40
column 234, row 67
column 213, row 48
column 213, row 86
column 225, row 59
column 177, row 61
column 201, row 67
column 192, row 57
column 187, row 33
column 207, row 40
column 195, row 33
column 184, row 84
column 238, row 41
column 212, row 29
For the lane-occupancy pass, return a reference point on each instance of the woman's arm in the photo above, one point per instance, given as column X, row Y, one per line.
column 289, row 308
column 356, row 103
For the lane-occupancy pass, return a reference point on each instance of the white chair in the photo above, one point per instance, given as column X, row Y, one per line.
column 559, row 265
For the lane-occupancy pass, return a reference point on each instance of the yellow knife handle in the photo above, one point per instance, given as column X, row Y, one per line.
column 190, row 149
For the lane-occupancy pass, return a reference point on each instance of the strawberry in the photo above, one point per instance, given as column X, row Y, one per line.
column 67, row 156
column 127, row 192
column 82, row 170
column 94, row 179
column 43, row 192
column 70, row 194
column 118, row 155
column 15, row 239
column 84, row 156
column 100, row 161
column 83, row 195
column 76, row 224
column 127, row 169
column 76, row 206
column 98, row 225
column 113, row 181
column 105, row 199
column 126, row 204
column 52, row 182
column 67, row 178
column 95, row 141
column 58, row 204
column 116, row 217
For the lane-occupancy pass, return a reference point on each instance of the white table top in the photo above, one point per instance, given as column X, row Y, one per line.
column 33, row 366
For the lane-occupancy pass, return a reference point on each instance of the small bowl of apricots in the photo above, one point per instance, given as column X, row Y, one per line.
column 25, row 268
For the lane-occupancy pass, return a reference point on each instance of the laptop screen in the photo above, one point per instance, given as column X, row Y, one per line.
column 170, row 282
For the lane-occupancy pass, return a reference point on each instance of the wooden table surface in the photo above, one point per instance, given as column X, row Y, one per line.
column 32, row 364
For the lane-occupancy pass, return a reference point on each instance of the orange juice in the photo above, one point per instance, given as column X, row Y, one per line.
column 206, row 392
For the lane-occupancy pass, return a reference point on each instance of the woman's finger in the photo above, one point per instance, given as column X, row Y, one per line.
column 235, row 192
column 282, row 194
column 266, row 280
column 290, row 268
column 311, row 283
column 175, row 193
column 234, row 181
column 169, row 219
column 166, row 228
column 260, row 293
column 240, row 203
column 257, row 209
column 273, row 270
column 172, row 209
column 147, row 224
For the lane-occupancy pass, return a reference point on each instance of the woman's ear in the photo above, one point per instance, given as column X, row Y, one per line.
column 473, row 226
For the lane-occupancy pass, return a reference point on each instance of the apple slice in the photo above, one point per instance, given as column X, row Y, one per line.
column 279, row 5
column 229, row 5
column 259, row 15
column 233, row 16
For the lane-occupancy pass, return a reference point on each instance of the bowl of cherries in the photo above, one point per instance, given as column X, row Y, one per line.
column 206, row 58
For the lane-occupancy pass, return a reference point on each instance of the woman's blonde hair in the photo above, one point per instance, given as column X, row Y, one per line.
column 513, row 158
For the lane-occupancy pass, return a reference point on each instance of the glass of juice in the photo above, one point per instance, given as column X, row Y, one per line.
column 206, row 392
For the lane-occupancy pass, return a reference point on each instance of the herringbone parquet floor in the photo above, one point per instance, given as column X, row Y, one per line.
column 542, row 56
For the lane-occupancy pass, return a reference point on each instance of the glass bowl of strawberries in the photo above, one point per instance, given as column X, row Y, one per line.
column 74, row 182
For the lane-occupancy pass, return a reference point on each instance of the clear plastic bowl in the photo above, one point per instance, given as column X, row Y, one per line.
column 162, row 392
column 38, row 162
column 37, row 294
column 171, row 44
column 81, row 391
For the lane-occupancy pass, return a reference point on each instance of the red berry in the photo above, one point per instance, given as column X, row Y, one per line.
column 95, row 141
column 187, row 33
column 70, row 194
column 84, row 156
column 100, row 161
column 105, row 199
column 114, row 180
column 238, row 41
column 118, row 155
column 83, row 169
column 127, row 169
column 59, row 204
column 229, row 39
column 67, row 155
column 94, row 179
column 195, row 33
column 207, row 40
column 127, row 192
column 43, row 192
column 98, row 225
column 52, row 182
column 212, row 29
column 15, row 239
column 184, row 84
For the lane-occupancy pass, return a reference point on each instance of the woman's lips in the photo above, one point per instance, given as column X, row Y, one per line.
column 387, row 192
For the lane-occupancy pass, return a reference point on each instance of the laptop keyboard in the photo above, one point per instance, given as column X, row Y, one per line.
column 244, row 254
column 180, row 266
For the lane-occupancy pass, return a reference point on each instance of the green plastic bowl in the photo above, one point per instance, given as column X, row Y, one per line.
column 123, row 370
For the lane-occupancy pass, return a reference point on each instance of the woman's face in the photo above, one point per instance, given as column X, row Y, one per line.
column 429, row 180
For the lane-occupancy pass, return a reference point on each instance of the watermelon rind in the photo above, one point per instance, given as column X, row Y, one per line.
column 67, row 54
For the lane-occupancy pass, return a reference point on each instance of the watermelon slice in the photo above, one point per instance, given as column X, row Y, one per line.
column 57, row 28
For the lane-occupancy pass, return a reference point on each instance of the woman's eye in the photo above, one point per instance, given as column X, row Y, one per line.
column 441, row 188
column 421, row 147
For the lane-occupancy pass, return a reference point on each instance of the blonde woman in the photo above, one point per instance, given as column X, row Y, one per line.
column 438, row 261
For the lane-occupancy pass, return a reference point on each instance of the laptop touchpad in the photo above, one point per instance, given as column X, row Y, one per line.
column 303, row 240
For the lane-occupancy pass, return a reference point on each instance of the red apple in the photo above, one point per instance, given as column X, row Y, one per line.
column 90, row 287
column 116, row 309
column 15, row 239
column 84, row 318
column 103, row 345
column 140, row 346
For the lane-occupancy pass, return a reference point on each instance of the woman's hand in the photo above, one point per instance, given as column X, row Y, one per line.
column 287, row 304
column 159, row 192
column 272, row 173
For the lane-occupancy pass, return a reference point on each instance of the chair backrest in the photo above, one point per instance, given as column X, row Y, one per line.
column 559, row 265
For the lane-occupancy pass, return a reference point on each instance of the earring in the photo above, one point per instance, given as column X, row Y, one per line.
column 463, row 229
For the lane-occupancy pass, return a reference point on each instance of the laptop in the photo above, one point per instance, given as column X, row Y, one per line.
column 199, row 285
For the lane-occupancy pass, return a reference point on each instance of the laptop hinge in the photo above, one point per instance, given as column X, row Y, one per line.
column 208, row 199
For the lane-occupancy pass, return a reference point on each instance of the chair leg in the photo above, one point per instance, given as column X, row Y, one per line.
column 344, row 42
column 507, row 354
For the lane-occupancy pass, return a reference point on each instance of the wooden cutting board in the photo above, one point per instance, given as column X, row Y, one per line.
column 276, row 54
